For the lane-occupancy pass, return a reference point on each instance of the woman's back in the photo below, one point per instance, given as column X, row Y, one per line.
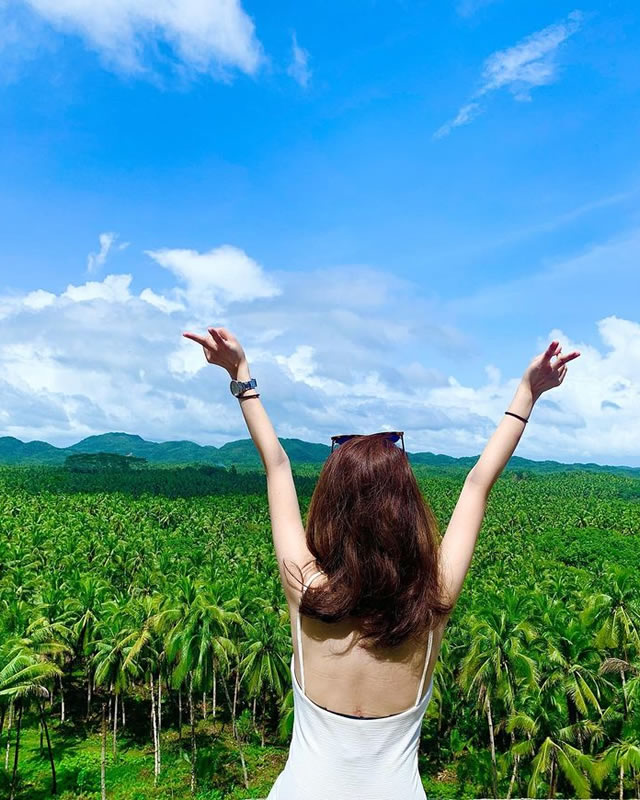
column 341, row 675
column 361, row 744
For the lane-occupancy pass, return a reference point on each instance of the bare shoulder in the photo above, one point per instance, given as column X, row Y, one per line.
column 291, row 581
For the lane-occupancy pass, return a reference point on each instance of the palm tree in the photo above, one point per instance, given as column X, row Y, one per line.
column 264, row 667
column 109, row 662
column 144, row 654
column 617, row 618
column 554, row 756
column 497, row 664
column 193, row 624
column 24, row 675
column 89, row 594
column 572, row 662
column 623, row 756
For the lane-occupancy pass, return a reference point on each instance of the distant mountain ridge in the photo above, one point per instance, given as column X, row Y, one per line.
column 241, row 453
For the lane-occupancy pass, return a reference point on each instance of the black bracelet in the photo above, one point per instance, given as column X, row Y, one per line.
column 517, row 415
column 249, row 396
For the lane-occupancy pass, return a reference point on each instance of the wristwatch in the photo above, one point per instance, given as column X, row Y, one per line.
column 238, row 387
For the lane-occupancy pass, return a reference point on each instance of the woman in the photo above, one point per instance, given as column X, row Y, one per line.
column 384, row 587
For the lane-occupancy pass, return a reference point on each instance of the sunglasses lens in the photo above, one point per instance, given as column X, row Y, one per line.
column 392, row 436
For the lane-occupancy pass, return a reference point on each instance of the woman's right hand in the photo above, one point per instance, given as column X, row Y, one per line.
column 541, row 374
column 221, row 347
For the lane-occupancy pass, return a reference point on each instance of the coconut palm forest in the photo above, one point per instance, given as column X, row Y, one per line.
column 145, row 641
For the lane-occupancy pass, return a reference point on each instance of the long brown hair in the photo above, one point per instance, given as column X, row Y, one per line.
column 376, row 538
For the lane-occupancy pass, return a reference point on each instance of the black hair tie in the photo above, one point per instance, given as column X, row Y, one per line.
column 517, row 415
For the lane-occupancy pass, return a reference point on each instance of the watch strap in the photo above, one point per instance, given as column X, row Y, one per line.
column 250, row 384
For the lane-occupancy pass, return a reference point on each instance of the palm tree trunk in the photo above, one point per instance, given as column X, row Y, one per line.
column 235, row 693
column 236, row 736
column 4, row 711
column 159, row 716
column 213, row 698
column 122, row 706
column 154, row 730
column 54, row 787
column 103, row 754
column 89, row 691
column 180, row 715
column 115, row 726
column 552, row 787
column 244, row 767
column 494, row 767
column 17, row 750
column 253, row 711
column 264, row 716
column 62, row 707
column 513, row 775
column 192, row 721
column 6, row 758
column 204, row 705
column 621, row 781
column 233, row 719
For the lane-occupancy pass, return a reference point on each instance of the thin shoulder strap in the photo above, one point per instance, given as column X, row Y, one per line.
column 306, row 586
column 426, row 663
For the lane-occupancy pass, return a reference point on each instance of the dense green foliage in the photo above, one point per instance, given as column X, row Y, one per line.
column 144, row 632
column 94, row 462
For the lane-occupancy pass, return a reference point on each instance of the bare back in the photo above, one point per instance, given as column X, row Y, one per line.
column 343, row 677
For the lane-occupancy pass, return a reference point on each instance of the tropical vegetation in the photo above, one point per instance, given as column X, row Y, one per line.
column 145, row 640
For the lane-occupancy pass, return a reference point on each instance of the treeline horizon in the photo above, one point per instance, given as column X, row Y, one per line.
column 242, row 453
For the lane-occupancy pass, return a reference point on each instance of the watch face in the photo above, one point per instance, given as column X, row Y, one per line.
column 236, row 388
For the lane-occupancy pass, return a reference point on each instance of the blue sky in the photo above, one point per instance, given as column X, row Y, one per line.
column 394, row 205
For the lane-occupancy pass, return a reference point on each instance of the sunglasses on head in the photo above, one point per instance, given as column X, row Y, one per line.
column 393, row 436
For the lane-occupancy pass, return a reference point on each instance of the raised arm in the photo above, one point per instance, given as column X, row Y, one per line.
column 222, row 348
column 459, row 541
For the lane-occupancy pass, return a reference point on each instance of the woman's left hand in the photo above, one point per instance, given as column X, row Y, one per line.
column 221, row 348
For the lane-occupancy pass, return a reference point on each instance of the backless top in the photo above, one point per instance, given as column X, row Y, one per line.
column 336, row 756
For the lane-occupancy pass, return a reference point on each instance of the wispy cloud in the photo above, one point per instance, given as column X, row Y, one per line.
column 107, row 241
column 203, row 36
column 519, row 69
column 299, row 67
column 95, row 260
column 465, row 115
column 466, row 8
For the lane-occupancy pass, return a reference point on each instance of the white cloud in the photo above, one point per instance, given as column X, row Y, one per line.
column 529, row 63
column 100, row 357
column 113, row 289
column 96, row 260
column 160, row 302
column 299, row 67
column 204, row 35
column 39, row 299
column 520, row 68
column 214, row 279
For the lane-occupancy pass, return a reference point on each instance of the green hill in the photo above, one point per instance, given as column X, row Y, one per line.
column 243, row 453
column 14, row 451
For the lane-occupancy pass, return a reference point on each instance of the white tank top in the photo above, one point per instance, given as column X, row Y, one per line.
column 335, row 757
